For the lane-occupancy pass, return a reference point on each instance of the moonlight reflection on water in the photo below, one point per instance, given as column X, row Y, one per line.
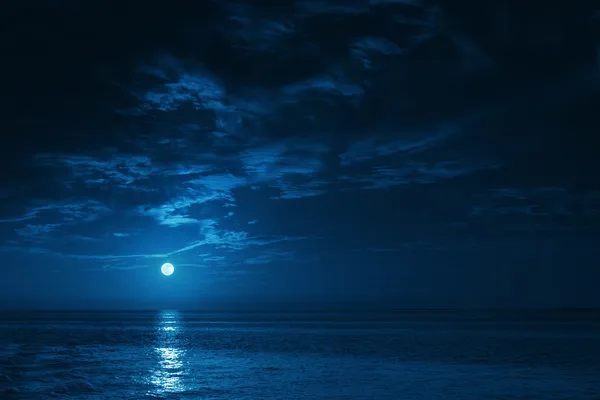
column 168, row 375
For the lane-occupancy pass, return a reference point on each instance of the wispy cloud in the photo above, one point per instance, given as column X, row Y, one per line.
column 121, row 234
column 113, row 258
column 28, row 215
column 36, row 232
column 218, row 182
column 323, row 85
column 46, row 217
column 120, row 265
column 121, row 170
column 270, row 257
column 290, row 167
column 372, row 148
column 299, row 190
column 230, row 239
column 275, row 161
column 213, row 259
column 251, row 29
column 411, row 173
column 208, row 188
column 367, row 49
column 70, row 210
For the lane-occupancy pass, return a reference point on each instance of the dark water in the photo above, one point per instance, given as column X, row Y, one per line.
column 408, row 355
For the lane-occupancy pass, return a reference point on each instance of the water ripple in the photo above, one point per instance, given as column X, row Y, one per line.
column 172, row 355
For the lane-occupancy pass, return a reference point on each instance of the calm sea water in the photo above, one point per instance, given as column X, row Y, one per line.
column 408, row 355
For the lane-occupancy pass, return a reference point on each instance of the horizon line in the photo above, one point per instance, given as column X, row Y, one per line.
column 298, row 310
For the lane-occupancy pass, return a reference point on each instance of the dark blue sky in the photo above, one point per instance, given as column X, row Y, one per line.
column 392, row 152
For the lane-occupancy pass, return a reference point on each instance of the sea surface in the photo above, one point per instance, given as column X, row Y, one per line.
column 401, row 355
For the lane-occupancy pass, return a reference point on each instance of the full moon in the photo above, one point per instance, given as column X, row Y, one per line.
column 167, row 269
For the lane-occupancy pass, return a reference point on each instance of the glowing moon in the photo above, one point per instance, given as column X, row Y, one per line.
column 167, row 269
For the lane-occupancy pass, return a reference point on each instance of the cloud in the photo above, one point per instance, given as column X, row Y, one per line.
column 276, row 161
column 36, row 232
column 120, row 265
column 325, row 85
column 174, row 211
column 372, row 148
column 49, row 216
column 290, row 190
column 121, row 170
column 213, row 259
column 218, row 182
column 290, row 167
column 121, row 234
column 84, row 238
column 264, row 259
column 113, row 258
column 366, row 49
column 118, row 169
column 254, row 221
column 176, row 84
column 28, row 215
column 230, row 239
column 213, row 237
column 172, row 220
column 208, row 188
column 250, row 30
column 268, row 257
column 412, row 173
column 200, row 90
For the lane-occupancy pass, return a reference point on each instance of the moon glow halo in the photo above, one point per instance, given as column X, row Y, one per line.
column 167, row 269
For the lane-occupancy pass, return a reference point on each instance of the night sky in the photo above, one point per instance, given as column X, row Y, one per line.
column 396, row 153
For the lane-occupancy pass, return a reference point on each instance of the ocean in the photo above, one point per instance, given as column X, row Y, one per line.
column 402, row 355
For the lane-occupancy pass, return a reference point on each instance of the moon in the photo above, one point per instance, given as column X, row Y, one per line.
column 167, row 269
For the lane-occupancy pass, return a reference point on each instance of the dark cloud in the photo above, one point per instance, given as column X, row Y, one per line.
column 198, row 89
column 367, row 49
